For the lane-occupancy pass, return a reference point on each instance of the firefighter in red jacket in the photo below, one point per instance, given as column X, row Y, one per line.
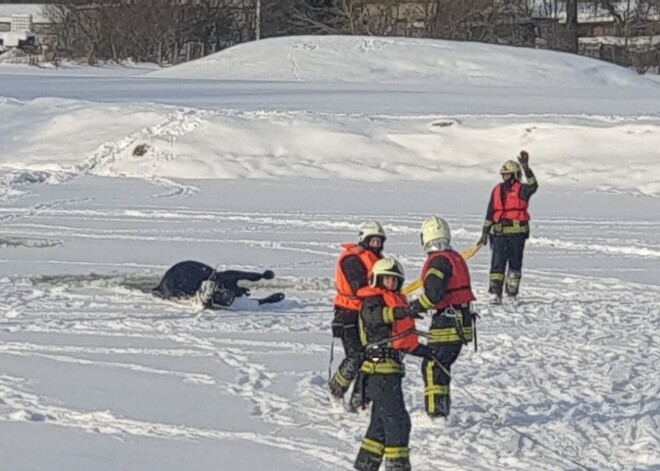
column 353, row 268
column 448, row 291
column 387, row 330
column 507, row 222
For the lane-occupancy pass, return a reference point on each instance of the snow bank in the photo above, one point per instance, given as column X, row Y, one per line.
column 426, row 62
column 84, row 138
column 12, row 56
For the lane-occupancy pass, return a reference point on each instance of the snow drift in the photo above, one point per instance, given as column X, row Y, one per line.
column 403, row 61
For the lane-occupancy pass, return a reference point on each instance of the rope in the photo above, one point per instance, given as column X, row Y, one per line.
column 496, row 417
column 546, row 447
column 492, row 415
column 332, row 357
column 420, row 333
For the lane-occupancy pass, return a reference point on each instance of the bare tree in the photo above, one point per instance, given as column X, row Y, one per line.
column 451, row 19
column 500, row 21
column 327, row 16
column 621, row 16
column 638, row 23
column 149, row 30
column 572, row 26
column 645, row 53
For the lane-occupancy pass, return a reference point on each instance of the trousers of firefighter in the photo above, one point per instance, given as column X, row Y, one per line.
column 451, row 329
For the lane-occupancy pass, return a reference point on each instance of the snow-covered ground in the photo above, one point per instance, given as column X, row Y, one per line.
column 243, row 171
column 273, row 108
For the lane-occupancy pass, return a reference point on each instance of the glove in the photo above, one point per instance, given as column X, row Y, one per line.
column 523, row 158
column 413, row 311
column 423, row 351
column 244, row 291
column 268, row 275
column 483, row 240
column 337, row 328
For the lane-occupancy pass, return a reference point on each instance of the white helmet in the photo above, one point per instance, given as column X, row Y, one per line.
column 435, row 234
column 370, row 229
column 512, row 167
column 386, row 267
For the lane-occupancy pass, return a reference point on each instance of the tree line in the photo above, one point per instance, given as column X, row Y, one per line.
column 171, row 31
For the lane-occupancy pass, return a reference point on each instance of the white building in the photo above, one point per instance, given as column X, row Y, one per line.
column 21, row 24
column 15, row 15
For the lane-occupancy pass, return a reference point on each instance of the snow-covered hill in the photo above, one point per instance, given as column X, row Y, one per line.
column 425, row 63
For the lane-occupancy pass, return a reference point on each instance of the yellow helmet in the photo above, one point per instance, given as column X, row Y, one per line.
column 512, row 167
column 386, row 267
column 435, row 233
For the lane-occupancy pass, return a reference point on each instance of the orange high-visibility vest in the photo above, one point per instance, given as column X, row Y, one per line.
column 345, row 297
column 513, row 208
column 400, row 326
column 459, row 290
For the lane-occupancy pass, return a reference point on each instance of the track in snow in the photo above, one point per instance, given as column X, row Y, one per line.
column 572, row 365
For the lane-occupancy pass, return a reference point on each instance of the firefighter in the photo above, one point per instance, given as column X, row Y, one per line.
column 352, row 273
column 448, row 291
column 507, row 223
column 387, row 330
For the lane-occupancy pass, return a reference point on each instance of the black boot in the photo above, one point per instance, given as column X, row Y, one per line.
column 398, row 464
column 442, row 407
column 365, row 461
column 512, row 284
column 495, row 288
column 496, row 285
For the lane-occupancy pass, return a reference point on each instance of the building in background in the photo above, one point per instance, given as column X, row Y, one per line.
column 24, row 27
